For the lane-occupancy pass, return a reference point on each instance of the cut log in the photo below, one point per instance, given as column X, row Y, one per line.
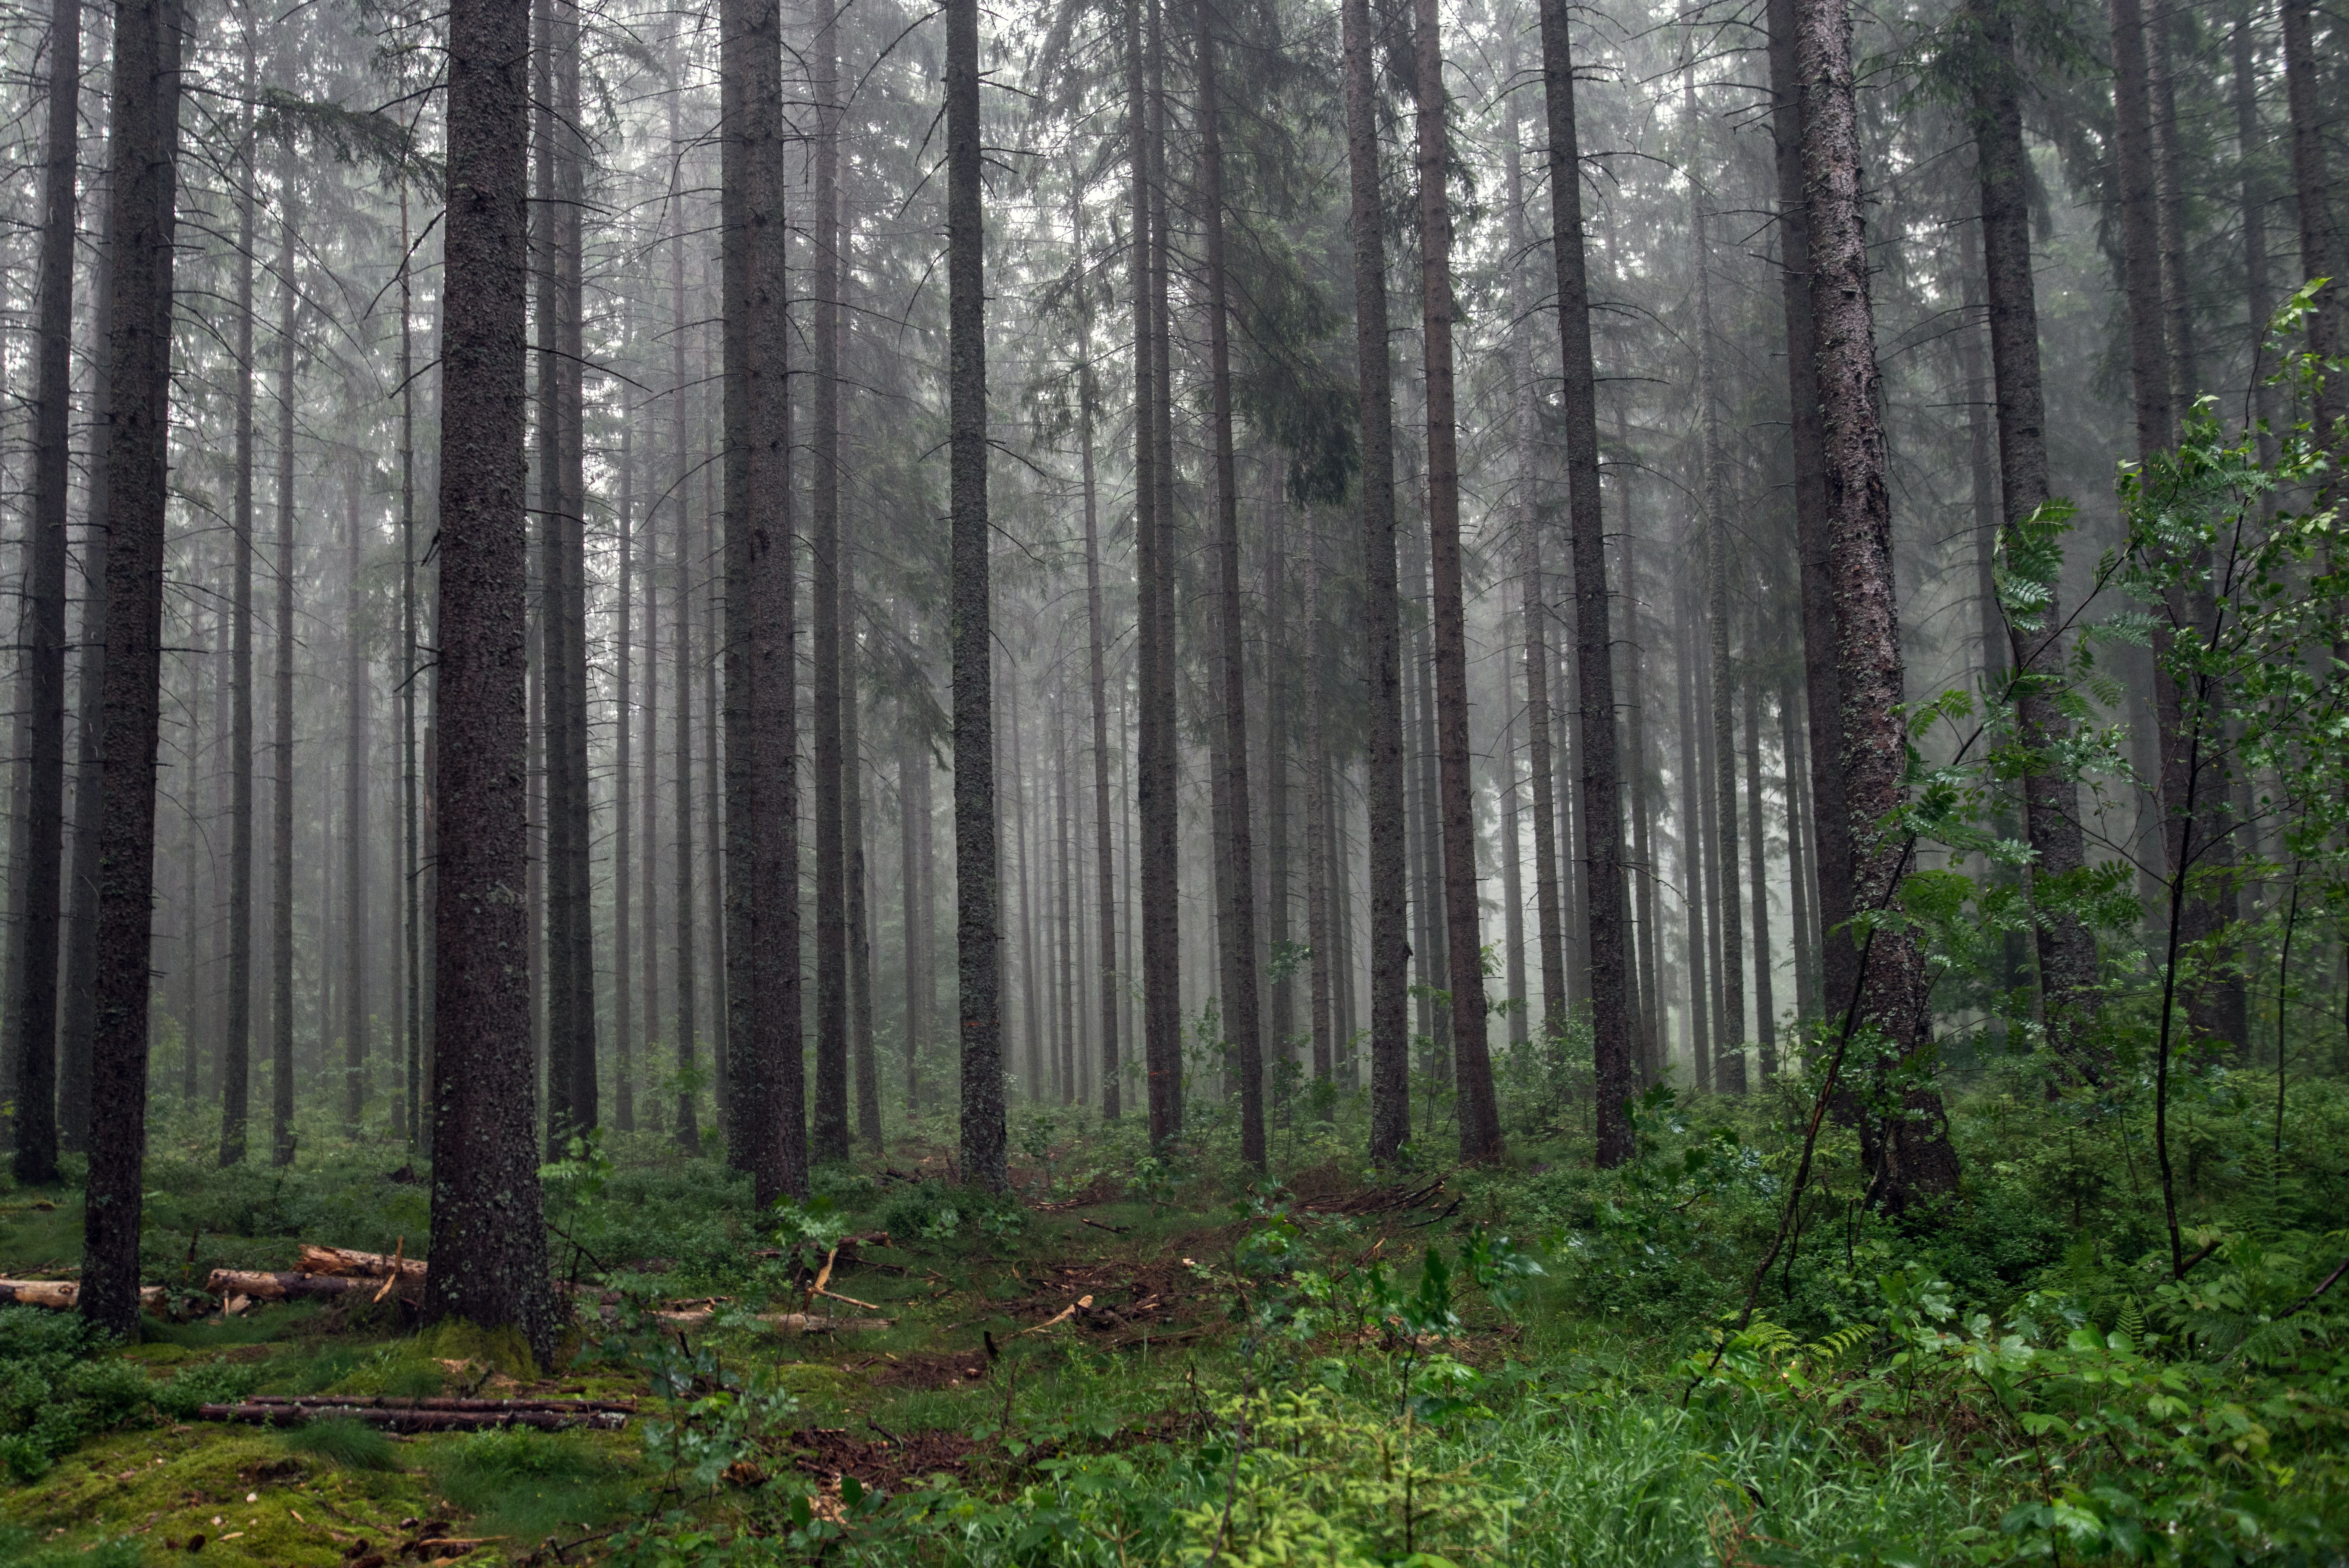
column 779, row 1322
column 62, row 1295
column 393, row 1419
column 316, row 1260
column 264, row 1286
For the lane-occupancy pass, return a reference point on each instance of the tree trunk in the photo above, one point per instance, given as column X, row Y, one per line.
column 489, row 1246
column 1239, row 936
column 623, row 722
column 281, row 806
column 1280, row 1027
column 1801, row 879
column 1905, row 1149
column 976, row 954
column 831, row 1141
column 1766, row 1021
column 688, row 1025
column 33, row 1119
column 1390, row 938
column 1097, row 685
column 1607, row 921
column 145, row 155
column 411, row 862
column 2066, row 948
column 1729, row 1064
column 2312, row 194
column 912, row 831
column 1318, row 936
column 1691, row 852
column 1157, row 783
column 355, row 705
column 767, row 1119
column 1064, row 900
column 1823, row 705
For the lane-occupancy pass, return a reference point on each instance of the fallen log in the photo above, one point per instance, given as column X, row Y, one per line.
column 62, row 1295
column 262, row 1285
column 441, row 1401
column 780, row 1322
column 254, row 1413
column 317, row 1259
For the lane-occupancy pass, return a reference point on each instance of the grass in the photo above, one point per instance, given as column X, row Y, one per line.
column 343, row 1443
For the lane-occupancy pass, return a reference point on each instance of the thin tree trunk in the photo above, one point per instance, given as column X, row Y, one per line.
column 1280, row 1026
column 74, row 1066
column 33, row 1121
column 1691, row 853
column 623, row 776
column 1800, row 876
column 281, row 828
column 1241, row 1022
column 1389, row 939
column 1766, row 1010
column 355, row 705
column 1318, row 937
column 687, row 1024
column 489, row 1245
column 1908, row 1152
column 1065, row 905
column 1016, row 780
column 411, row 863
column 2066, row 948
column 1097, row 684
column 1512, row 892
column 831, row 1140
column 1823, row 705
column 1729, row 1068
column 1599, row 805
column 2313, row 196
column 977, row 965
column 913, row 825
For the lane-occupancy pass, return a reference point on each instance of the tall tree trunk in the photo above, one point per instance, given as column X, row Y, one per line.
column 281, row 803
column 831, row 1141
column 2066, row 948
column 1280, row 1026
column 145, row 157
column 1838, row 956
column 1390, row 938
column 2304, row 103
column 688, row 1025
column 354, row 810
column 34, row 1120
column 1156, row 784
column 2140, row 227
column 1318, row 936
column 2169, row 212
column 1729, row 1068
column 1801, row 876
column 767, row 1120
column 1691, row 852
column 1015, row 778
column 623, row 722
column 977, row 1005
column 913, row 827
column 856, row 893
column 1065, row 903
column 1512, row 892
column 74, row 1063
column 1766, row 1020
column 2259, row 286
column 1097, row 689
column 1239, row 935
column 489, row 1244
column 1599, row 803
column 1908, row 1152
column 1533, row 606
column 412, row 861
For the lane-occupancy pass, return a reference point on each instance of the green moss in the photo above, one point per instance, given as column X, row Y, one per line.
column 504, row 1349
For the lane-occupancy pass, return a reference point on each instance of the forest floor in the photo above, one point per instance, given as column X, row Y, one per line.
column 1132, row 1360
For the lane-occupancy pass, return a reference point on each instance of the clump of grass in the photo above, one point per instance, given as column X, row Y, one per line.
column 345, row 1443
column 22, row 1548
column 527, row 1484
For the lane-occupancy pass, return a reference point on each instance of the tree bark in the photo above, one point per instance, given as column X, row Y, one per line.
column 912, row 831
column 1765, row 1021
column 34, row 1117
column 489, row 1245
column 1823, row 705
column 977, row 1005
column 281, row 804
column 1320, row 936
column 1607, row 923
column 1691, row 851
column 1156, row 782
column 1097, row 684
column 624, row 723
column 1239, row 935
column 687, row 1024
column 356, row 706
column 2312, row 194
column 145, row 153
column 831, row 1140
column 1903, row 1130
column 1389, row 939
column 2066, row 948
column 411, row 864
